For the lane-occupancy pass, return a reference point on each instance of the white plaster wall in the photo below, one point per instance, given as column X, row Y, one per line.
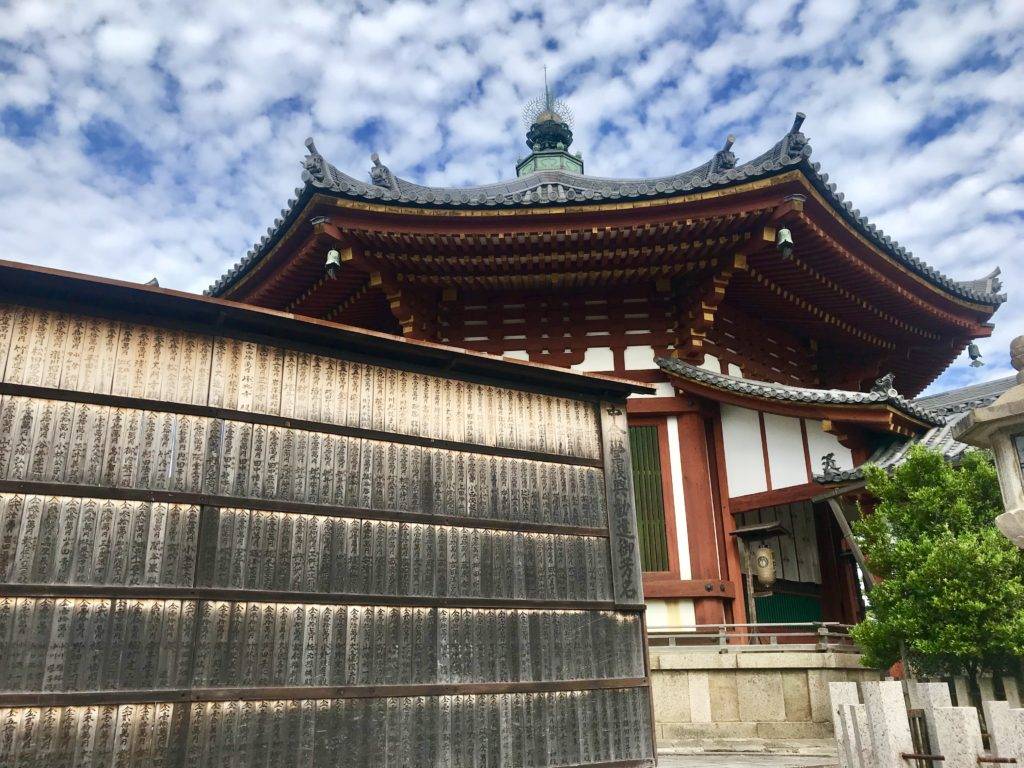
column 657, row 613
column 596, row 359
column 744, row 459
column 661, row 389
column 517, row 354
column 821, row 443
column 670, row 614
column 785, row 451
column 678, row 499
column 735, row 370
column 639, row 358
column 711, row 363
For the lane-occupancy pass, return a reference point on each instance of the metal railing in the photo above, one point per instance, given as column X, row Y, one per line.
column 728, row 638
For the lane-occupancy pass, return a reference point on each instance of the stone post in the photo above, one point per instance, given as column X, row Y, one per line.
column 929, row 697
column 999, row 725
column 963, row 691
column 1012, row 691
column 1011, row 741
column 842, row 695
column 987, row 687
column 855, row 748
column 887, row 721
column 958, row 734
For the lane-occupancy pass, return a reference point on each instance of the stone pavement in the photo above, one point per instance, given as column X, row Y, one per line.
column 744, row 760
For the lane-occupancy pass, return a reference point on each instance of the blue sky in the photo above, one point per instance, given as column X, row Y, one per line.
column 161, row 139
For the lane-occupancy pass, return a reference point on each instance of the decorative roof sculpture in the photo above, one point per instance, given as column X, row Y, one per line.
column 949, row 408
column 543, row 188
column 549, row 133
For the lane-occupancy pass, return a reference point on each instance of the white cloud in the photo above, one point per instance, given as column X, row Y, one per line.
column 916, row 112
column 126, row 44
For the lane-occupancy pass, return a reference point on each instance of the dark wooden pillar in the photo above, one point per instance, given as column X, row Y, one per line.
column 840, row 596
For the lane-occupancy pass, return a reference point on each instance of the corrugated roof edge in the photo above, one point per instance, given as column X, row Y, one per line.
column 25, row 283
column 764, row 390
column 547, row 188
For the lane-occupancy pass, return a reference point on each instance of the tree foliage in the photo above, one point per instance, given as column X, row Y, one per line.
column 951, row 586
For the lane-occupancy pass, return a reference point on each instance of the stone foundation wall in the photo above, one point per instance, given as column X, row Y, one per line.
column 703, row 698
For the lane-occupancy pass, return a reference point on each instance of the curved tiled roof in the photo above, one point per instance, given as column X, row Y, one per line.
column 881, row 394
column 555, row 188
column 952, row 406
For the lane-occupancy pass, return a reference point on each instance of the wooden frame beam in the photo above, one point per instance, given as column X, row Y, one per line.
column 699, row 317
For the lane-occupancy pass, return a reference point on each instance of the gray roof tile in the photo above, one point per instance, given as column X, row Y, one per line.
column 881, row 393
column 952, row 406
column 558, row 187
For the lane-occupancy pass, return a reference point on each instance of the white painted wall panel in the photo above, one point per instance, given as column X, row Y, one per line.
column 744, row 459
column 661, row 389
column 670, row 614
column 822, row 443
column 711, row 364
column 639, row 358
column 517, row 354
column 657, row 614
column 596, row 359
column 678, row 499
column 785, row 451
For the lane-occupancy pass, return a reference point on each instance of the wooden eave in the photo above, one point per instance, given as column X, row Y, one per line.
column 838, row 286
column 395, row 219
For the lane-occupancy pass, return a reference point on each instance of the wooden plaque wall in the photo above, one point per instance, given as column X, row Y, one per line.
column 217, row 551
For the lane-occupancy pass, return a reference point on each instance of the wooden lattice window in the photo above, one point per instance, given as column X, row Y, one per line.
column 650, row 497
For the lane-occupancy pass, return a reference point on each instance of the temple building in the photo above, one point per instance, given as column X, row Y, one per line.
column 783, row 333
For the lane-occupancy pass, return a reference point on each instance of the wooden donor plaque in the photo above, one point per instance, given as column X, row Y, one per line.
column 231, row 537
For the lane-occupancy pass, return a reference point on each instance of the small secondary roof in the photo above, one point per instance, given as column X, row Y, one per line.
column 952, row 406
column 882, row 393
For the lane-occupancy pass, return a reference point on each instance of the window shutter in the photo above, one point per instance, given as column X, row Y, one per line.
column 650, row 500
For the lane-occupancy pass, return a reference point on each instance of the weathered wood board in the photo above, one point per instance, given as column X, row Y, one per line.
column 218, row 549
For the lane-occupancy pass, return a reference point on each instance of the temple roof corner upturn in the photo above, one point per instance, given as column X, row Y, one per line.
column 950, row 407
column 551, row 176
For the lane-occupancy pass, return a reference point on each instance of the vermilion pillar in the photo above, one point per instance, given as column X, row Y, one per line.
column 707, row 528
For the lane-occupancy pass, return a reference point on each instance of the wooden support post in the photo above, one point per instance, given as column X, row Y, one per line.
column 844, row 526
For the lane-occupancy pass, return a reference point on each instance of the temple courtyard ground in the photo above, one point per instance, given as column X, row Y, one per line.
column 745, row 760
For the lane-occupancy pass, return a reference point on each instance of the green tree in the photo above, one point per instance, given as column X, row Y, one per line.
column 950, row 592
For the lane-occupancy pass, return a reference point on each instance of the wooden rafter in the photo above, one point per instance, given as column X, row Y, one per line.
column 555, row 280
column 875, row 276
column 546, row 260
column 350, row 301
column 817, row 312
column 861, row 302
column 415, row 310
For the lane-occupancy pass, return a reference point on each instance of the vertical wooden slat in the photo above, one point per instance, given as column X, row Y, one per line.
column 650, row 504
column 128, row 666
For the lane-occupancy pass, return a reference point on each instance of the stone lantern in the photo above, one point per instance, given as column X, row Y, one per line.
column 1000, row 427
